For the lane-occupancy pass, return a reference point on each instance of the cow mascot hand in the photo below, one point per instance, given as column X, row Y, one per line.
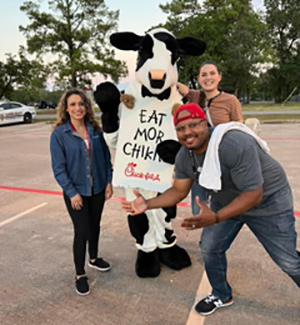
column 145, row 140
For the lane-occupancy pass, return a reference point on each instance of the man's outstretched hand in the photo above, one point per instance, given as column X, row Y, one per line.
column 206, row 217
column 138, row 206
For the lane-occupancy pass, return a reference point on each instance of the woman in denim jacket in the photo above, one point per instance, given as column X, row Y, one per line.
column 82, row 167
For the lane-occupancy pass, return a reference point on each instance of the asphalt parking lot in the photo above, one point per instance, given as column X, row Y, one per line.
column 36, row 266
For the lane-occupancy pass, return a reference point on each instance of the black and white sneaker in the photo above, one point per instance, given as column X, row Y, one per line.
column 82, row 286
column 210, row 303
column 100, row 265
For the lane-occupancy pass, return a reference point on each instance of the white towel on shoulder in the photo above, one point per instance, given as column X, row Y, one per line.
column 210, row 176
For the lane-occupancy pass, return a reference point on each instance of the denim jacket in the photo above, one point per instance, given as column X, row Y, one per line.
column 71, row 161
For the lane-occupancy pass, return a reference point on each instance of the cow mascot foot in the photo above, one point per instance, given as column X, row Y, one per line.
column 147, row 264
column 174, row 257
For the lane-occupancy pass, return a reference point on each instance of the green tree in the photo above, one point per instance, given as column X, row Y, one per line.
column 75, row 32
column 184, row 19
column 19, row 71
column 50, row 96
column 6, row 81
column 247, row 48
column 180, row 12
column 34, row 97
column 24, row 96
column 282, row 17
column 234, row 35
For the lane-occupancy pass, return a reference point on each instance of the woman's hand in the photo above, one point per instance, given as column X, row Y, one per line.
column 76, row 202
column 108, row 191
column 138, row 206
column 183, row 89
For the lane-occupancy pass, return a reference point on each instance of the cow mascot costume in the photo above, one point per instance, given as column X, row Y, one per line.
column 135, row 123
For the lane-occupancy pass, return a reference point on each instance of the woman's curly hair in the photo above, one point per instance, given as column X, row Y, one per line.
column 62, row 114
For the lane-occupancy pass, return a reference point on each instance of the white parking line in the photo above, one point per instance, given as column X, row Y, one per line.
column 203, row 290
column 22, row 214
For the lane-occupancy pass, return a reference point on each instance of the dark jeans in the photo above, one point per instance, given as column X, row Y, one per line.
column 276, row 233
column 86, row 224
column 197, row 190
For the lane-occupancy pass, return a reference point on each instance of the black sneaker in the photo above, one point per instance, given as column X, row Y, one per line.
column 82, row 286
column 100, row 265
column 210, row 303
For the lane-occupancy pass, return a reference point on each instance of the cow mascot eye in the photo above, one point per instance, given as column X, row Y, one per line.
column 145, row 140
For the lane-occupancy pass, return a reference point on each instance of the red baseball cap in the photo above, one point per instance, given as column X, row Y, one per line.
column 195, row 112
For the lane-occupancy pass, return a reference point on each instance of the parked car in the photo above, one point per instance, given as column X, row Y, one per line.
column 13, row 112
column 44, row 105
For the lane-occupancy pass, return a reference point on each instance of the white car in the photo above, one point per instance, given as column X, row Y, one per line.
column 13, row 112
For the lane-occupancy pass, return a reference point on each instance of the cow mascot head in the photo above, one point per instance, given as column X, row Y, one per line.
column 138, row 124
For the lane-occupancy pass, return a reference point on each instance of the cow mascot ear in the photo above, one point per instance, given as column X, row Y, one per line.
column 191, row 46
column 126, row 41
column 107, row 97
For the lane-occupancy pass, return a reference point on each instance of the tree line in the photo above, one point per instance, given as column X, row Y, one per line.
column 258, row 51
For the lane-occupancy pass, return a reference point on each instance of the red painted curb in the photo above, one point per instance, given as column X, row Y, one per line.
column 21, row 189
column 114, row 198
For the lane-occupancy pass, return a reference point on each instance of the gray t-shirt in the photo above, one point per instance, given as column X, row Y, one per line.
column 245, row 167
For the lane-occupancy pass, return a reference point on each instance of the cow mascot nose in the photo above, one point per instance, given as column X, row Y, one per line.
column 135, row 130
column 157, row 78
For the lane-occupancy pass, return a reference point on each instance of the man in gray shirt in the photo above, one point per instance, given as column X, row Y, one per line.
column 254, row 191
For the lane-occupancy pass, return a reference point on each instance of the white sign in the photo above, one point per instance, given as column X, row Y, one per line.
column 141, row 129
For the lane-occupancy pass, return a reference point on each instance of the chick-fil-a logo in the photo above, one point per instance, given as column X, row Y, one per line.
column 130, row 172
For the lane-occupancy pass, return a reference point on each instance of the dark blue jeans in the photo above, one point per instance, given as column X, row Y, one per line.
column 276, row 233
column 199, row 191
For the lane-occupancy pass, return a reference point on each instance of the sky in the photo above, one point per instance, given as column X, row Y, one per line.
column 135, row 15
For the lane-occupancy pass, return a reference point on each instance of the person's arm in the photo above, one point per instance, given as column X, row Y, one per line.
column 107, row 157
column 192, row 95
column 109, row 170
column 179, row 190
column 206, row 217
column 183, row 89
column 108, row 191
column 239, row 152
column 58, row 161
column 236, row 111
